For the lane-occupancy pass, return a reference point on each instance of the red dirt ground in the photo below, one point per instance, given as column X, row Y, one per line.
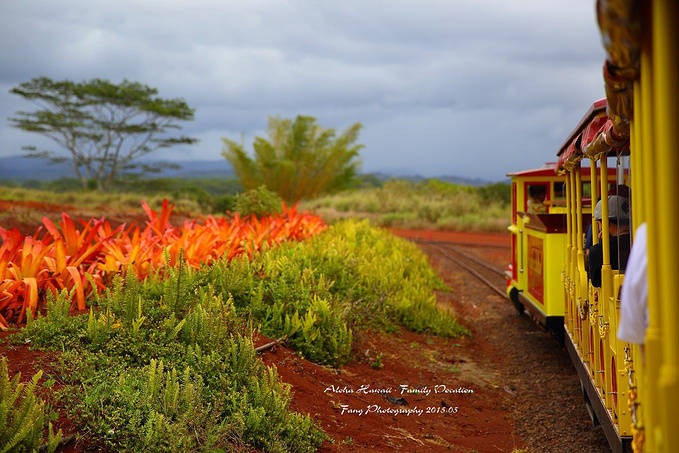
column 418, row 361
column 499, row 239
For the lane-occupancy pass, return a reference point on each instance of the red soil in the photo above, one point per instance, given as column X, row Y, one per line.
column 499, row 239
column 36, row 205
column 418, row 361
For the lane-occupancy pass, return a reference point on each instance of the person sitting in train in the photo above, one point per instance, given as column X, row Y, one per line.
column 620, row 190
column 634, row 293
column 536, row 199
column 619, row 238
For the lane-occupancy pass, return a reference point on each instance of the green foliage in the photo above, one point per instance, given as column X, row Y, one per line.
column 500, row 191
column 103, row 126
column 57, row 328
column 299, row 160
column 22, row 414
column 321, row 291
column 426, row 204
column 376, row 362
column 166, row 364
column 222, row 204
column 259, row 202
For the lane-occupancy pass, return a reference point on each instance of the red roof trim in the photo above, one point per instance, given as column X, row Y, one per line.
column 596, row 108
column 551, row 171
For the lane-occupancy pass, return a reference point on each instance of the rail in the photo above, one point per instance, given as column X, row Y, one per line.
column 445, row 248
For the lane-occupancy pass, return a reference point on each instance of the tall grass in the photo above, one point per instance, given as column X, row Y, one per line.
column 427, row 204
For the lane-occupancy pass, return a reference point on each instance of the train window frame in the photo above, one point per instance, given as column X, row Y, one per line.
column 548, row 193
column 515, row 202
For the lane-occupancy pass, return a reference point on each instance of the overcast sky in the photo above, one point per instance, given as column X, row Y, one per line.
column 472, row 88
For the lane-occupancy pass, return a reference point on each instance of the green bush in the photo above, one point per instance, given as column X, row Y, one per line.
column 259, row 202
column 221, row 205
column 321, row 291
column 166, row 364
column 197, row 194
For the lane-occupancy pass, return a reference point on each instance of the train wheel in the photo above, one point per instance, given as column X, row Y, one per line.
column 514, row 297
column 555, row 327
column 588, row 406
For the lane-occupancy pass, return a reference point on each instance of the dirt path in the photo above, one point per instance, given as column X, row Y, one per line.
column 546, row 403
column 526, row 393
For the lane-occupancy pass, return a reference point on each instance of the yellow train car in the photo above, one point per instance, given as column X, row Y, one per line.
column 539, row 210
column 627, row 146
column 637, row 384
column 590, row 319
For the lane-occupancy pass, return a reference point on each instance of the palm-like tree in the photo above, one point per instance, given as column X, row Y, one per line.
column 299, row 159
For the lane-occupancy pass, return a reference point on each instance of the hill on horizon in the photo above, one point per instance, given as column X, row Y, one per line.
column 23, row 168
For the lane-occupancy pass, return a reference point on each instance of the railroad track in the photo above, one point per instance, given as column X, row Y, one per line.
column 469, row 262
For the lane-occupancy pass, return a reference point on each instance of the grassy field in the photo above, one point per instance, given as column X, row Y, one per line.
column 396, row 203
column 195, row 195
column 427, row 204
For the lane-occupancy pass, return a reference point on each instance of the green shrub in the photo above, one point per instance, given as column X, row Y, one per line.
column 321, row 291
column 259, row 202
column 166, row 364
column 212, row 392
column 196, row 194
column 222, row 204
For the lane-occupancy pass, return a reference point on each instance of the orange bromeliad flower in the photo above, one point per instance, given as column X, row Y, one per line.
column 69, row 256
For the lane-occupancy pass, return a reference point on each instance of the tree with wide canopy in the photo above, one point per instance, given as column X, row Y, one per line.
column 105, row 127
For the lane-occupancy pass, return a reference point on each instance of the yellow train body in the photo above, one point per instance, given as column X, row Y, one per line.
column 634, row 392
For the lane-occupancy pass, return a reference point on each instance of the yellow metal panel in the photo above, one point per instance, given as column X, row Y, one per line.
column 666, row 113
column 649, row 390
column 595, row 196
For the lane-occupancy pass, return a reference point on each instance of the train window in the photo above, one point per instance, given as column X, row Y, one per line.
column 586, row 189
column 536, row 195
column 559, row 191
column 623, row 229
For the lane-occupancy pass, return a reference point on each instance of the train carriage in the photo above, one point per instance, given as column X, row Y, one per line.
column 534, row 277
column 631, row 139
column 591, row 313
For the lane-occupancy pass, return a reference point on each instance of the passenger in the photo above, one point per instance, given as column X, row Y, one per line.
column 634, row 297
column 536, row 200
column 620, row 190
column 618, row 229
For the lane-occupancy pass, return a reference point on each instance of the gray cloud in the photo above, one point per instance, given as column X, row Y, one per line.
column 475, row 88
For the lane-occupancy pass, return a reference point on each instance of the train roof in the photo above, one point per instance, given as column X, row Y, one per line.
column 550, row 169
column 591, row 124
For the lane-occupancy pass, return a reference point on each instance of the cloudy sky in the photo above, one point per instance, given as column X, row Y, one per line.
column 472, row 88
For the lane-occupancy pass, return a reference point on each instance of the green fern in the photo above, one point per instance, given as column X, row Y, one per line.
column 22, row 418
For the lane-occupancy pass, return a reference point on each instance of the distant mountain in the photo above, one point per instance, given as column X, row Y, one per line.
column 19, row 167
column 452, row 179
column 22, row 168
